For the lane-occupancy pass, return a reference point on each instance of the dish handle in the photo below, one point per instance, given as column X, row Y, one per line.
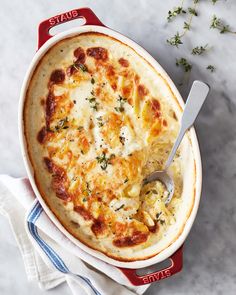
column 86, row 13
column 175, row 267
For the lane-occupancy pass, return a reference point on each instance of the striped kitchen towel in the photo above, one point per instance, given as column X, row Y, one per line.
column 50, row 258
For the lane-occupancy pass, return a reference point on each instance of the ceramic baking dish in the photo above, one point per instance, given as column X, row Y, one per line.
column 174, row 251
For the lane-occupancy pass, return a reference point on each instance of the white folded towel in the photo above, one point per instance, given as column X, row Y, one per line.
column 50, row 258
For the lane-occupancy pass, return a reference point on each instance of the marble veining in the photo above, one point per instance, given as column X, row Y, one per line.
column 210, row 250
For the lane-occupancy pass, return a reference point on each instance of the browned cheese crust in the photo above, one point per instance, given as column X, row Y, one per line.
column 98, row 118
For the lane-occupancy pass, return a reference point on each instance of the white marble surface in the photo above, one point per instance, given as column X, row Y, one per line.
column 210, row 250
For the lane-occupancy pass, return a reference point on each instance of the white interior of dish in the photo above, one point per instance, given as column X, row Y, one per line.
column 188, row 175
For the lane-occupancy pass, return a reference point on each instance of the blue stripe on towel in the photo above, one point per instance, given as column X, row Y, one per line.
column 51, row 254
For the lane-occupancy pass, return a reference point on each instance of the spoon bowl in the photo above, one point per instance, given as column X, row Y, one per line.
column 166, row 179
column 195, row 100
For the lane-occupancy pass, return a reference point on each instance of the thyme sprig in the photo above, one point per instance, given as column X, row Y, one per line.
column 184, row 64
column 93, row 103
column 61, row 124
column 121, row 100
column 176, row 40
column 198, row 50
column 186, row 67
column 211, row 68
column 186, row 26
column 122, row 206
column 103, row 160
column 192, row 11
column 217, row 23
column 100, row 122
column 176, row 11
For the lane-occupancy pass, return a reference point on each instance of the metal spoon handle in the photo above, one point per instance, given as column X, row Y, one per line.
column 195, row 100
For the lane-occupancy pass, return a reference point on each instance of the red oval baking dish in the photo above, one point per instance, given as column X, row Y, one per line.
column 174, row 251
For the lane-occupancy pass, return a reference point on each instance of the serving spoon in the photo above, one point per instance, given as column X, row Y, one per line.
column 195, row 100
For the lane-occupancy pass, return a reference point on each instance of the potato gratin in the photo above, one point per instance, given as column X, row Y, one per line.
column 98, row 119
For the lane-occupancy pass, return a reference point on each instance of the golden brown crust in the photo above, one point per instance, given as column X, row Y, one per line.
column 97, row 226
column 74, row 232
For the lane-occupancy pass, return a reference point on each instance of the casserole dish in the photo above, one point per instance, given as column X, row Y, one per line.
column 29, row 122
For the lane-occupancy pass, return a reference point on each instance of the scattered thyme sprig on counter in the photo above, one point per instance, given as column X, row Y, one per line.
column 211, row 68
column 198, row 50
column 182, row 62
column 176, row 40
column 176, row 11
column 186, row 66
column 217, row 23
column 186, row 26
column 192, row 11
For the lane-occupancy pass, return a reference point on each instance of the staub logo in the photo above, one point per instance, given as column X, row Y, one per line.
column 156, row 276
column 63, row 17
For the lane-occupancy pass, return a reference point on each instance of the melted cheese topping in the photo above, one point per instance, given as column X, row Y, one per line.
column 105, row 125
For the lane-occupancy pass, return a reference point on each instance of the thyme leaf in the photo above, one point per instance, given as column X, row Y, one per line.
column 175, row 41
column 100, row 123
column 217, row 23
column 192, row 11
column 62, row 124
column 176, row 11
column 93, row 103
column 211, row 68
column 186, row 26
column 122, row 206
column 198, row 50
column 121, row 100
column 104, row 161
column 122, row 140
column 182, row 62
